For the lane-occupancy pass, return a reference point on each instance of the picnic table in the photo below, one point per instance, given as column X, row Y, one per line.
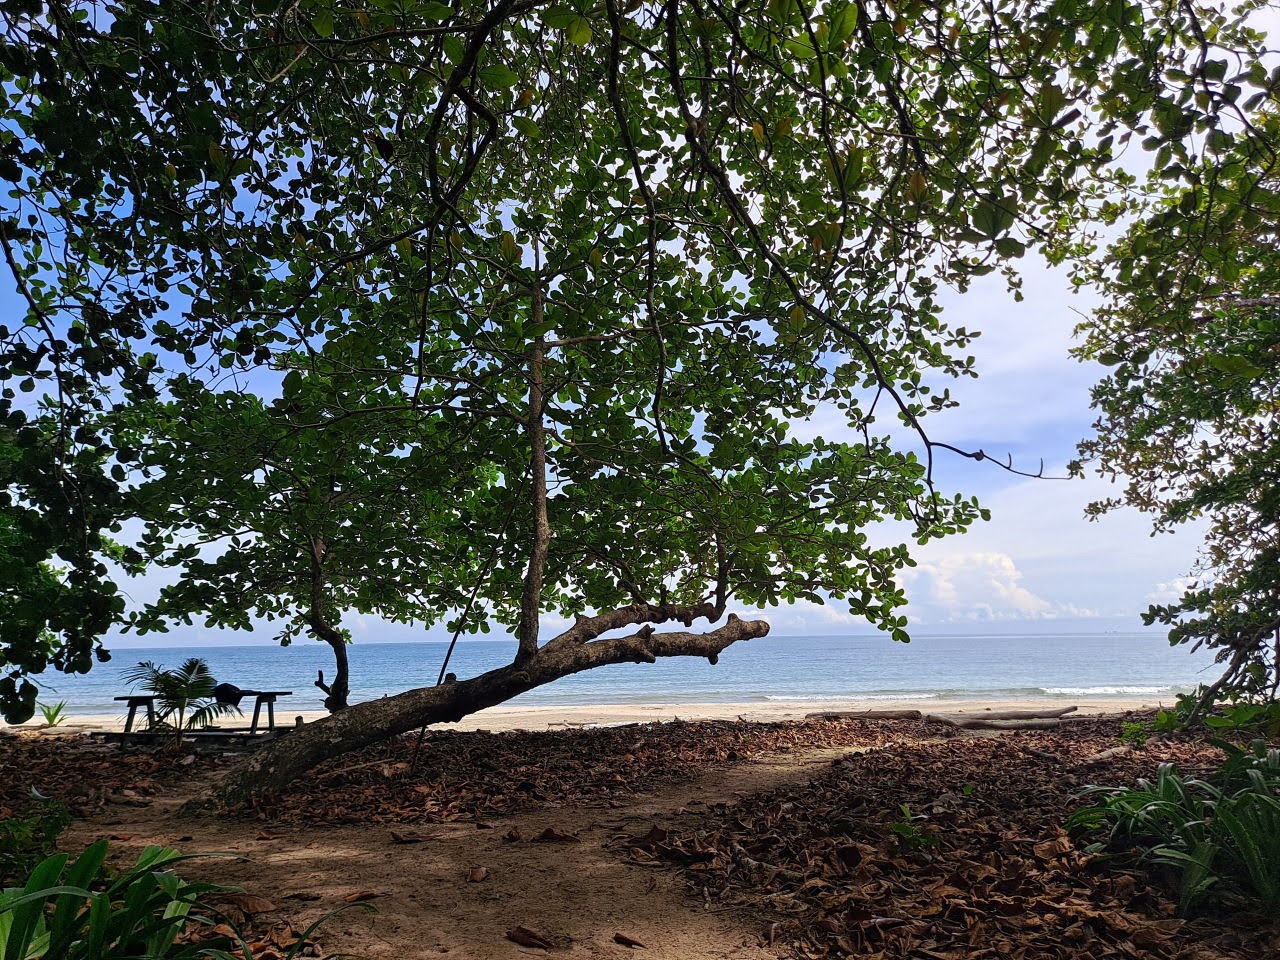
column 261, row 698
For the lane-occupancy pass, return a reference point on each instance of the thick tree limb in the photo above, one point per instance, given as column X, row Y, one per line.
column 280, row 762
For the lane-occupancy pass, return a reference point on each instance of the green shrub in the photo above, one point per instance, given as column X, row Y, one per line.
column 1136, row 733
column 1253, row 718
column 1225, row 829
column 80, row 911
column 27, row 839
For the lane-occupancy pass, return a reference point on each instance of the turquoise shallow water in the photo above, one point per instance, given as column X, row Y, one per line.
column 1051, row 666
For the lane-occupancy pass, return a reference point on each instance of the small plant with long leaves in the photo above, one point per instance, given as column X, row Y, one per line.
column 1218, row 832
column 55, row 714
column 184, row 695
column 82, row 910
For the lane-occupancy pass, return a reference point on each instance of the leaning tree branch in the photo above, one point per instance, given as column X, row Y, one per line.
column 282, row 761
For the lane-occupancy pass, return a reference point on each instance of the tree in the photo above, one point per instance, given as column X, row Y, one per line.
column 1191, row 330
column 606, row 257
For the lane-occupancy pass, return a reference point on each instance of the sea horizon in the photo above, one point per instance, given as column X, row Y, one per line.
column 803, row 668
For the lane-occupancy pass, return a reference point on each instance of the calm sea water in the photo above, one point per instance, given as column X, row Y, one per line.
column 774, row 668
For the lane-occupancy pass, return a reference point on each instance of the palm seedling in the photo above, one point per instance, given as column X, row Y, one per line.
column 184, row 695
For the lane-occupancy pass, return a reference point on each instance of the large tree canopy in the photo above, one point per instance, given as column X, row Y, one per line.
column 1187, row 421
column 566, row 273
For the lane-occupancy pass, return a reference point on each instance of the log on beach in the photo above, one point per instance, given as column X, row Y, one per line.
column 1033, row 714
column 1035, row 719
column 1105, row 755
column 964, row 721
column 865, row 715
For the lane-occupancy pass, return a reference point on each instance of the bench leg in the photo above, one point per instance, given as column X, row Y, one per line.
column 257, row 710
column 271, row 714
column 128, row 721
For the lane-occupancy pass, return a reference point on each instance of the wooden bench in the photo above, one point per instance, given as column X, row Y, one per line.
column 139, row 700
column 261, row 697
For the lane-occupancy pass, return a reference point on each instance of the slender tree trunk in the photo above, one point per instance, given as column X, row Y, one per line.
column 337, row 692
column 280, row 762
column 531, row 600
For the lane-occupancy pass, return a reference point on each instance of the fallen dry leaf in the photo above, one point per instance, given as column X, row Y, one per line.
column 528, row 938
column 412, row 837
column 248, row 902
column 626, row 941
column 477, row 874
column 360, row 896
column 552, row 835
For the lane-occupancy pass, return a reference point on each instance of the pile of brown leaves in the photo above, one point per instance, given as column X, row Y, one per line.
column 85, row 773
column 942, row 851
column 247, row 921
column 470, row 776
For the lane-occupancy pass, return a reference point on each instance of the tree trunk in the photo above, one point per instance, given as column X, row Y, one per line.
column 531, row 600
column 282, row 761
column 337, row 691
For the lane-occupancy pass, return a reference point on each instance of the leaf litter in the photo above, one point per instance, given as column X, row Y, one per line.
column 950, row 851
column 931, row 850
column 468, row 777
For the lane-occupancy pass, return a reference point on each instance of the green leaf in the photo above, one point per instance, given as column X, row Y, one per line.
column 844, row 20
column 559, row 17
column 578, row 31
column 527, row 127
column 1235, row 365
column 498, row 76
column 993, row 216
column 322, row 22
column 454, row 49
column 433, row 10
column 801, row 48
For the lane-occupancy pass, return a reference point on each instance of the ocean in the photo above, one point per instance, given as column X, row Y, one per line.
column 1052, row 667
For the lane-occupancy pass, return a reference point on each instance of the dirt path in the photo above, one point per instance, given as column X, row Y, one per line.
column 575, row 894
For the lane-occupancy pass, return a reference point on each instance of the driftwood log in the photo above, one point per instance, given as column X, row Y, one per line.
column 965, row 722
column 1045, row 719
column 1105, row 755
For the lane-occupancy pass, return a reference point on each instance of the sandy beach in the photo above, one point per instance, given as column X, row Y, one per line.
column 560, row 717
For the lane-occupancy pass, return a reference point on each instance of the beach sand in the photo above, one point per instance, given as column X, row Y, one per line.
column 512, row 717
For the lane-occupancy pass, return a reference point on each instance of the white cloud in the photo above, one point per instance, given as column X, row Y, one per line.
column 1171, row 591
column 976, row 587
